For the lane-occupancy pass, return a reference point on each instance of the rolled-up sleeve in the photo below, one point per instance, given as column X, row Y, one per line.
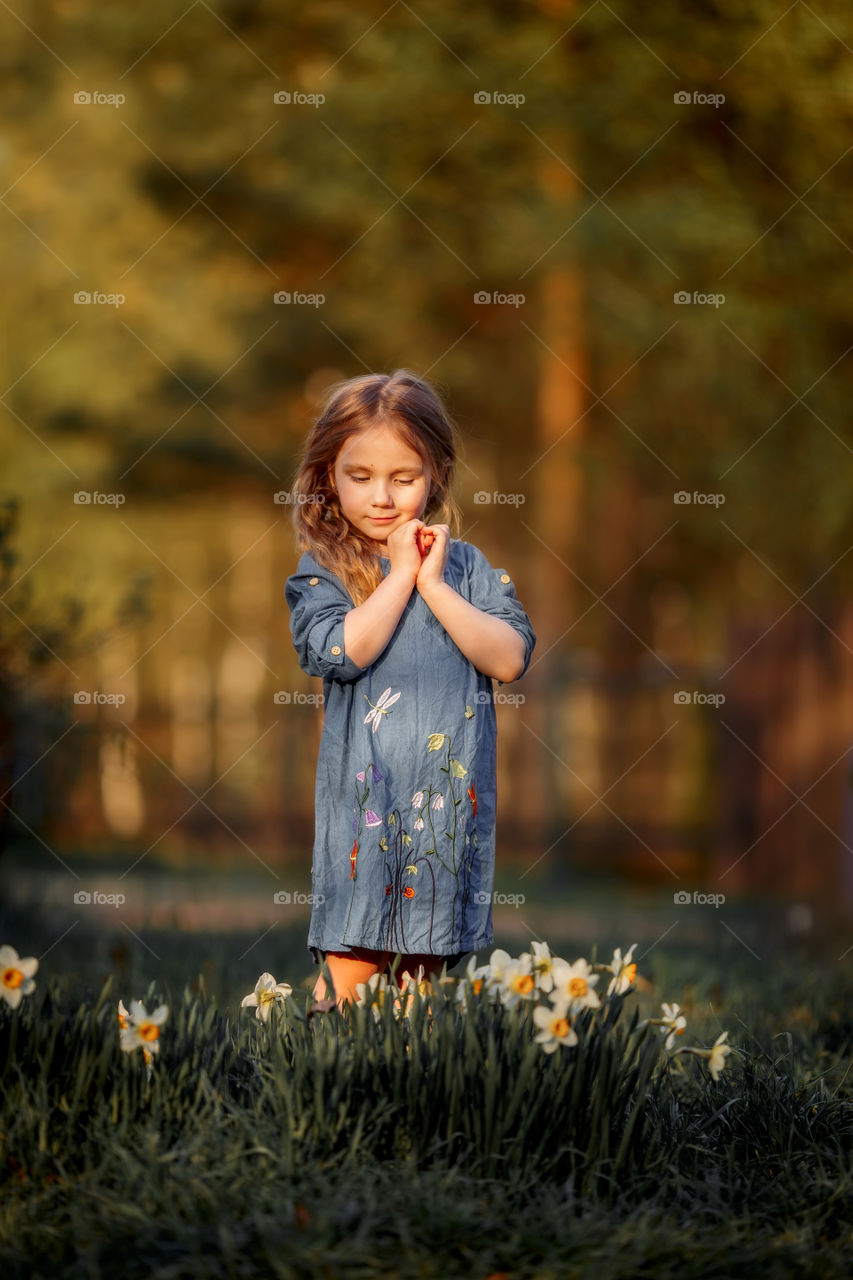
column 492, row 590
column 318, row 605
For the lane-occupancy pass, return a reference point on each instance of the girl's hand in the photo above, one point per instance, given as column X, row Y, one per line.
column 432, row 565
column 403, row 550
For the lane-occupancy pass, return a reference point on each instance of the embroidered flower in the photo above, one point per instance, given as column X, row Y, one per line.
column 408, row 892
column 419, row 824
column 436, row 741
column 372, row 819
column 352, row 860
column 472, row 796
column 417, row 799
column 438, row 801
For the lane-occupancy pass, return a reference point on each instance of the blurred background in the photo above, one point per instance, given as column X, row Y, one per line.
column 617, row 240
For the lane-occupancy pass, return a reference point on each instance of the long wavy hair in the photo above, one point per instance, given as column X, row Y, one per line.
column 410, row 407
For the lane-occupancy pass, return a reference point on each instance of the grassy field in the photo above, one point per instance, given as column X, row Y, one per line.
column 445, row 1144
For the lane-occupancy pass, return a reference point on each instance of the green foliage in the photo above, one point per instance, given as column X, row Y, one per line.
column 320, row 1144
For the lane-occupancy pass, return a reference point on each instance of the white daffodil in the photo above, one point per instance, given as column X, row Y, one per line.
column 715, row 1056
column 623, row 971
column 573, row 984
column 140, row 1029
column 266, row 991
column 517, row 983
column 718, row 1054
column 498, row 961
column 377, row 982
column 542, row 965
column 475, row 978
column 672, row 1024
column 16, row 976
column 554, row 1027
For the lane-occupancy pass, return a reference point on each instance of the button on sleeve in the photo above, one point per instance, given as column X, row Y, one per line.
column 492, row 591
column 318, row 606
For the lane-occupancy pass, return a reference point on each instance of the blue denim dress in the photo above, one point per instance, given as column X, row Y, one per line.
column 404, row 837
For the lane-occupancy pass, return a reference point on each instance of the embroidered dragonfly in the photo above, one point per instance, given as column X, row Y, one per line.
column 380, row 708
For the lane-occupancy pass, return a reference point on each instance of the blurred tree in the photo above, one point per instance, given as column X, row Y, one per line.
column 398, row 198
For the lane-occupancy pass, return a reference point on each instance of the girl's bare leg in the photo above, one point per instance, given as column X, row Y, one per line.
column 348, row 969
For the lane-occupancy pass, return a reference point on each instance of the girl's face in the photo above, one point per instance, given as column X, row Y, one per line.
column 381, row 481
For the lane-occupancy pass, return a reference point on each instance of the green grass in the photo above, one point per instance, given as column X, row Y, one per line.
column 357, row 1147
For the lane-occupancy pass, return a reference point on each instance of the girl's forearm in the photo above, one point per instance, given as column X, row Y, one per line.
column 492, row 645
column 369, row 627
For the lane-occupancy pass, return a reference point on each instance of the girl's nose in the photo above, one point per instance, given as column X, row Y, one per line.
column 382, row 494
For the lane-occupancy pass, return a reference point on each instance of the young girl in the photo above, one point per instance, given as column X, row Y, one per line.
column 407, row 626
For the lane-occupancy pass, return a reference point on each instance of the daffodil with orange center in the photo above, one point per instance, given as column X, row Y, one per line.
column 16, row 976
column 554, row 1027
column 573, row 984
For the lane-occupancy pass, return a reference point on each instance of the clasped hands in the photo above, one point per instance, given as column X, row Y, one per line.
column 420, row 551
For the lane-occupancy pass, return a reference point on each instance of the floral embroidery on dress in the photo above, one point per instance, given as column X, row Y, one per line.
column 371, row 818
column 446, row 836
column 452, row 848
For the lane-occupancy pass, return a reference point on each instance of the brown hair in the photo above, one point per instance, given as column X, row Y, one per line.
column 411, row 408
